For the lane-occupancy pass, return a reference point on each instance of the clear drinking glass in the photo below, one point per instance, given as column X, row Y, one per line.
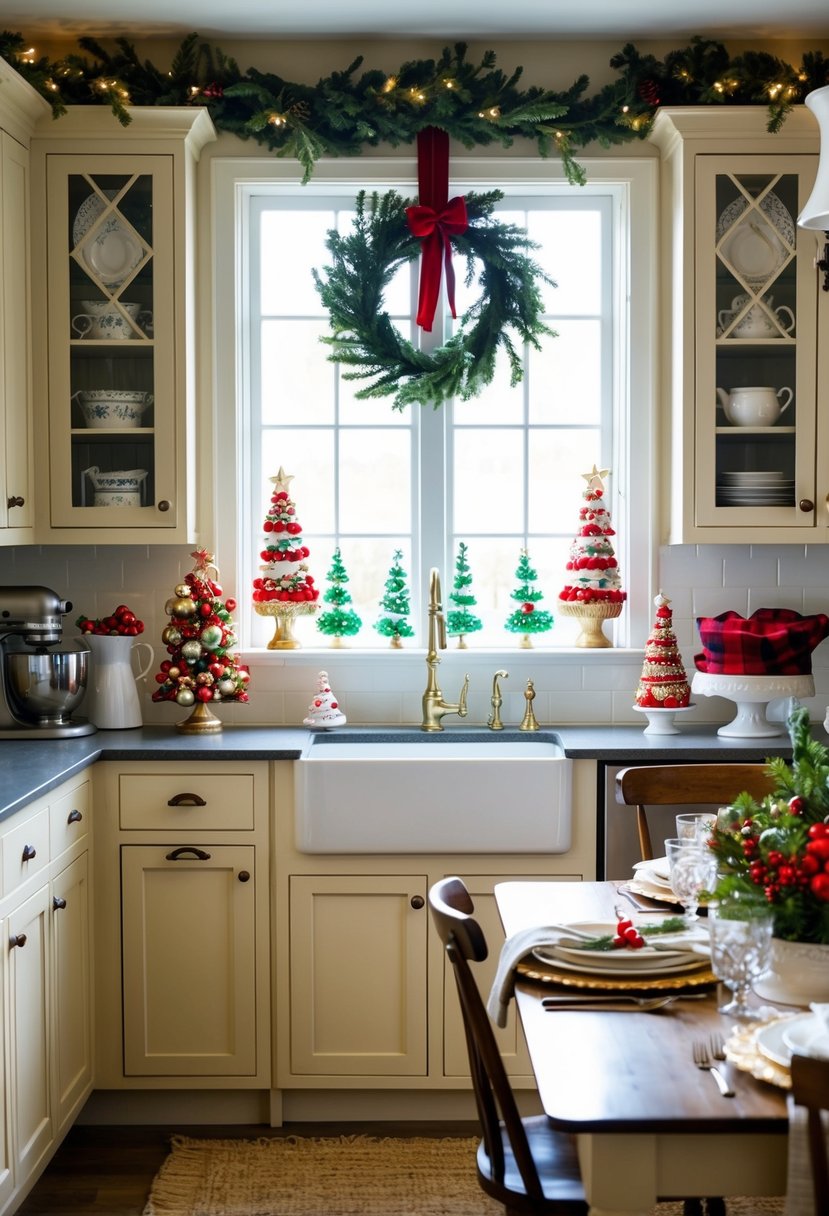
column 695, row 825
column 693, row 868
column 740, row 935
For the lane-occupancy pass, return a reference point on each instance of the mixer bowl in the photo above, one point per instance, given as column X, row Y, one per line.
column 44, row 687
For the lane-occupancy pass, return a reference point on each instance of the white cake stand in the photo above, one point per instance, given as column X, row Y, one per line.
column 752, row 695
column 661, row 721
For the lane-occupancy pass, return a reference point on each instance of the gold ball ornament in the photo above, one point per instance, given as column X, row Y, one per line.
column 182, row 590
column 226, row 687
column 191, row 650
column 174, row 673
column 185, row 697
column 183, row 607
column 170, row 636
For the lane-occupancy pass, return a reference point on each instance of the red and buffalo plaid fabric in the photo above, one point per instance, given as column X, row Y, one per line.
column 772, row 641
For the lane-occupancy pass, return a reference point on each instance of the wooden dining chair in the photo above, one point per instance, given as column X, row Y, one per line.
column 810, row 1089
column 523, row 1163
column 686, row 785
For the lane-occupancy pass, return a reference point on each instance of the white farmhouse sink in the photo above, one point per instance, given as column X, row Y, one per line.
column 425, row 795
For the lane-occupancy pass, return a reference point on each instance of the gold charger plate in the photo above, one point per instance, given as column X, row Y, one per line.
column 699, row 978
column 744, row 1052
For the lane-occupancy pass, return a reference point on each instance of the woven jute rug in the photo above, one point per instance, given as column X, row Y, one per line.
column 339, row 1176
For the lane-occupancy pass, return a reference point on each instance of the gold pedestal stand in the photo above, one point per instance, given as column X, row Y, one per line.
column 591, row 617
column 200, row 722
column 285, row 611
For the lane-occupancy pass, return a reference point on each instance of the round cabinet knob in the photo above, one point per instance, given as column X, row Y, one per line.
column 164, row 505
column 417, row 902
column 243, row 876
column 17, row 939
column 806, row 505
column 58, row 903
column 15, row 501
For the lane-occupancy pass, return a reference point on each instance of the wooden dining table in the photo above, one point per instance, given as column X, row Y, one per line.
column 649, row 1124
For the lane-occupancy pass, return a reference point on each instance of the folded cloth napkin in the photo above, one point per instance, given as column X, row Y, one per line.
column 515, row 949
column 772, row 641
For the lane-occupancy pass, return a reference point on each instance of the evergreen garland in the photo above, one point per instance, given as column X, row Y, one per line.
column 365, row 339
column 476, row 104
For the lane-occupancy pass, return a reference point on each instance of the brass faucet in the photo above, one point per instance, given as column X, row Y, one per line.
column 434, row 706
column 494, row 720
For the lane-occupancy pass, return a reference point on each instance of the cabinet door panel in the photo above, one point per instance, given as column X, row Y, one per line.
column 29, row 1032
column 189, row 985
column 358, row 966
column 15, row 388
column 72, row 987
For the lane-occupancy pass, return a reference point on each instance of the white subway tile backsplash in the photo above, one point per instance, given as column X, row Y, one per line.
column 750, row 567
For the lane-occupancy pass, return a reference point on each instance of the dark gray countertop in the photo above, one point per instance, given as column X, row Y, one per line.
column 30, row 767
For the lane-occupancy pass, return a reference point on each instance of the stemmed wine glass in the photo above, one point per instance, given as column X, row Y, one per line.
column 693, row 868
column 740, row 934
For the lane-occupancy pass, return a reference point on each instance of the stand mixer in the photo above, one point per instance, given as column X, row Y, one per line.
column 39, row 688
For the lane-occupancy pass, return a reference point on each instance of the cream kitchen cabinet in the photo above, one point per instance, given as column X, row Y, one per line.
column 20, row 109
column 363, row 996
column 47, row 980
column 113, row 266
column 743, row 308
column 182, row 886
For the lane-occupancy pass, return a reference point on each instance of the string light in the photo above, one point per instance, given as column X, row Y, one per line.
column 277, row 120
column 389, row 84
column 28, row 56
column 773, row 90
column 194, row 90
column 625, row 109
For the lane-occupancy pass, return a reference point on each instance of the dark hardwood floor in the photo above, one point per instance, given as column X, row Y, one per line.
column 107, row 1171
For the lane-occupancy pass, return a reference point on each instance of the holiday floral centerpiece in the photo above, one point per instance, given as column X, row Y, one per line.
column 593, row 591
column 777, row 850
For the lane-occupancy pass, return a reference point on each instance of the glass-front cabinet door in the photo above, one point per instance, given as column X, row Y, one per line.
column 759, row 460
column 112, row 382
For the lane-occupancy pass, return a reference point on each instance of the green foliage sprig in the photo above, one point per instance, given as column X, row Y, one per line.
column 477, row 104
column 507, row 314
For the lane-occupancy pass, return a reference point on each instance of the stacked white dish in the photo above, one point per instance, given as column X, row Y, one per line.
column 671, row 954
column 755, row 489
column 653, row 879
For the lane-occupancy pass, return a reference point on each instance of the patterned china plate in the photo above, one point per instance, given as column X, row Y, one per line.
column 113, row 252
column 760, row 243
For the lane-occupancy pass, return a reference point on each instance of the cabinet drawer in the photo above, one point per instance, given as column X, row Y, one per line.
column 69, row 819
column 214, row 802
column 25, row 850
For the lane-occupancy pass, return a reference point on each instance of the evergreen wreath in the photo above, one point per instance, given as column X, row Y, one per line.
column 364, row 261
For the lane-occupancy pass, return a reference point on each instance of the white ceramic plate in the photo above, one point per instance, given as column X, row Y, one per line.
column 112, row 253
column 771, row 1042
column 670, row 967
column 760, row 243
column 657, row 868
column 807, row 1035
column 643, row 958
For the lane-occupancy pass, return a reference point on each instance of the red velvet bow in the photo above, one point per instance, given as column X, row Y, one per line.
column 434, row 220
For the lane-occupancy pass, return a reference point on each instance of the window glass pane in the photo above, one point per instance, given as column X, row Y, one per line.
column 375, row 481
column 302, row 454
column 557, row 459
column 571, row 253
column 296, row 378
column 368, row 562
column 489, row 481
column 293, row 243
column 498, row 403
column 565, row 376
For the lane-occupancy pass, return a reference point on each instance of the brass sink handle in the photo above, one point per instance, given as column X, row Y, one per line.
column 494, row 720
column 528, row 722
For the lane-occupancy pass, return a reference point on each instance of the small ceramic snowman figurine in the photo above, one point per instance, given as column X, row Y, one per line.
column 324, row 712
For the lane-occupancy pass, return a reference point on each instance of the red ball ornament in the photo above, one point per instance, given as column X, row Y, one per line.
column 528, row 608
column 204, row 694
column 230, row 605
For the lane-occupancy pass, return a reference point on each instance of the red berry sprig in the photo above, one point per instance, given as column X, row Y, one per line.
column 121, row 623
column 627, row 936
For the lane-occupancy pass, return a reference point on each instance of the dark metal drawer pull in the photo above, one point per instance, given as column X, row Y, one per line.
column 29, row 852
column 187, row 800
column 58, row 903
column 17, row 939
column 188, row 851
column 74, row 817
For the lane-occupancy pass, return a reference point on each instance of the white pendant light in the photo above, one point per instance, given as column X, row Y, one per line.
column 815, row 215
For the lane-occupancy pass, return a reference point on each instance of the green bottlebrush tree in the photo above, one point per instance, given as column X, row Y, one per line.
column 396, row 604
column 526, row 618
column 459, row 620
column 339, row 621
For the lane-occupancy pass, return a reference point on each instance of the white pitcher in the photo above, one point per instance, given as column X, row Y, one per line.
column 111, row 701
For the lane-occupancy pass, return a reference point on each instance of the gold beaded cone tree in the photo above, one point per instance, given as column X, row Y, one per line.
column 663, row 683
column 284, row 588
column 594, row 592
column 202, row 669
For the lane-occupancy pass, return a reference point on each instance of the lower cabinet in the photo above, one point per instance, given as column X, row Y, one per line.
column 47, row 982
column 183, row 929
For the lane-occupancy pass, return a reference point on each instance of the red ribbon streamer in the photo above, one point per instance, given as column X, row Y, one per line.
column 434, row 220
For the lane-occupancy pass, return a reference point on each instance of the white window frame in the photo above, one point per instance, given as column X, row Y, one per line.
column 632, row 183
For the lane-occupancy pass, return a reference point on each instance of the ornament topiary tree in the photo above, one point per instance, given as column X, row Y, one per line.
column 526, row 619
column 396, row 605
column 284, row 588
column 593, row 591
column 202, row 669
column 459, row 620
column 339, row 621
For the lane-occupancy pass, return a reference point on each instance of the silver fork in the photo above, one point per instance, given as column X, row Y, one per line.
column 702, row 1059
column 717, row 1043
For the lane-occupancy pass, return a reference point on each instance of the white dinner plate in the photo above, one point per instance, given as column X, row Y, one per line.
column 753, row 475
column 771, row 1042
column 112, row 253
column 808, row 1036
column 657, row 867
column 670, row 966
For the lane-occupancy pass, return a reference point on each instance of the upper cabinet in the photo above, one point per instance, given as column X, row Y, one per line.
column 20, row 109
column 742, row 311
column 114, row 347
